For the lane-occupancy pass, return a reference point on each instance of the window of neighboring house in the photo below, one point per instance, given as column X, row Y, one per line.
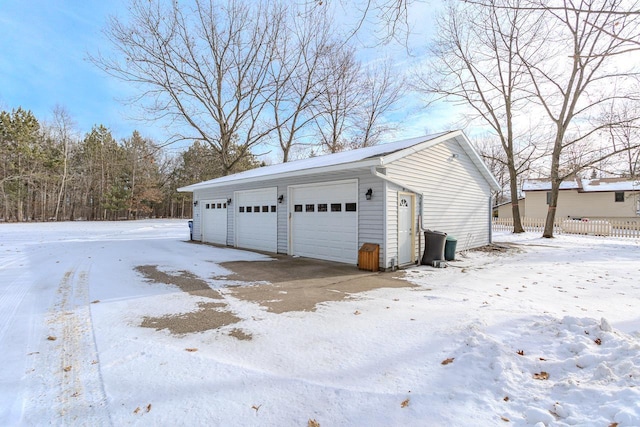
column 619, row 196
column 548, row 197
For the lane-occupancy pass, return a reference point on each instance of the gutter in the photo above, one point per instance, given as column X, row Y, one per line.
column 370, row 162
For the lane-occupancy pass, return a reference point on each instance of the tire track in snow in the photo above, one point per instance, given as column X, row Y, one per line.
column 80, row 397
column 12, row 294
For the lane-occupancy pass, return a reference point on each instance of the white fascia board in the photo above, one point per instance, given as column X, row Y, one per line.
column 312, row 171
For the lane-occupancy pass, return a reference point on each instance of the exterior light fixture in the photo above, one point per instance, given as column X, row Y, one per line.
column 281, row 198
column 229, row 201
column 368, row 194
column 195, row 203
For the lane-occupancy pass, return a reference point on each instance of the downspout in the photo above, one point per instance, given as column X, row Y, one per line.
column 490, row 219
column 420, row 195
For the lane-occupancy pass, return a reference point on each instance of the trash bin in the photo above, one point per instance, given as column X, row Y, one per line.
column 190, row 229
column 450, row 248
column 434, row 242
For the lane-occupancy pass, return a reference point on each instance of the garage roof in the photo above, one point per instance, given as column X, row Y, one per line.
column 377, row 155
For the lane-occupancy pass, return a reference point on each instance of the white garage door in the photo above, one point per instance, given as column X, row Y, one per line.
column 256, row 225
column 324, row 221
column 214, row 221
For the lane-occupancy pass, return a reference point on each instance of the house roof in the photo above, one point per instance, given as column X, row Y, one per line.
column 584, row 185
column 377, row 155
column 610, row 184
column 545, row 185
column 507, row 203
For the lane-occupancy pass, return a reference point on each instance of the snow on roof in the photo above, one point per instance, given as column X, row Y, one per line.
column 610, row 184
column 342, row 158
column 584, row 185
column 545, row 185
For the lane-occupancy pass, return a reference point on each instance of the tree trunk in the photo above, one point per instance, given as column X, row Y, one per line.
column 515, row 207
column 555, row 184
column 62, row 183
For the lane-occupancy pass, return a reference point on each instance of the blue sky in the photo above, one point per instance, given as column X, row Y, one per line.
column 44, row 45
column 43, row 50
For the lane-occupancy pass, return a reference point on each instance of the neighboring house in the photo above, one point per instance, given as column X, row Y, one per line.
column 504, row 210
column 327, row 207
column 585, row 198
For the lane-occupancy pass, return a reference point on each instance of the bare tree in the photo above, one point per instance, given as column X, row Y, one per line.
column 381, row 88
column 205, row 67
column 63, row 132
column 389, row 16
column 575, row 72
column 354, row 101
column 338, row 98
column 623, row 132
column 298, row 77
column 496, row 160
column 478, row 64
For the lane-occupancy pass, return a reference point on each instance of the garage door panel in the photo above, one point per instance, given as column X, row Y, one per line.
column 320, row 230
column 256, row 219
column 214, row 221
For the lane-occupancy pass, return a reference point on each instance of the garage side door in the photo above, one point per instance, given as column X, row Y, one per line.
column 324, row 221
column 214, row 221
column 256, row 225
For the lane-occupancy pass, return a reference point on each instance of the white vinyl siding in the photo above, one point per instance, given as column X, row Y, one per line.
column 456, row 195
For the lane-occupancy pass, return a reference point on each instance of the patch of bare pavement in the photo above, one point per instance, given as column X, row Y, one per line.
column 300, row 284
column 209, row 315
column 285, row 284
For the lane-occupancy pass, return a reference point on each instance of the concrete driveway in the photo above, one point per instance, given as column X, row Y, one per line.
column 300, row 284
column 282, row 284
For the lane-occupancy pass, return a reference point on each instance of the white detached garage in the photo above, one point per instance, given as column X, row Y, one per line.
column 327, row 207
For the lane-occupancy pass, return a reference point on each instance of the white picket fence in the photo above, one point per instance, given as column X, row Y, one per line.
column 616, row 227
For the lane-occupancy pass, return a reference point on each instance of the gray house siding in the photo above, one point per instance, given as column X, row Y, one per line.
column 456, row 195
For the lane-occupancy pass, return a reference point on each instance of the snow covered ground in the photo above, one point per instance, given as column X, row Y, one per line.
column 546, row 333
